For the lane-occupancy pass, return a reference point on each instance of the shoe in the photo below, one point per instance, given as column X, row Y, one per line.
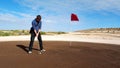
column 43, row 50
column 30, row 52
column 40, row 52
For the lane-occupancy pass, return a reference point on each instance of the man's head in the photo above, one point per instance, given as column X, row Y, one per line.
column 38, row 18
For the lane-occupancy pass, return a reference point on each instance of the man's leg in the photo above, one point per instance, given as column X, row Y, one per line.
column 40, row 41
column 31, row 41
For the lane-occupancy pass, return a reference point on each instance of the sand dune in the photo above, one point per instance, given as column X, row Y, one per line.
column 67, row 37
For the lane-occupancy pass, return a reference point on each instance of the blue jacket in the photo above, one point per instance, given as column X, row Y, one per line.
column 36, row 26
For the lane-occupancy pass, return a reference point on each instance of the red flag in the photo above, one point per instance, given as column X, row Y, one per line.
column 74, row 17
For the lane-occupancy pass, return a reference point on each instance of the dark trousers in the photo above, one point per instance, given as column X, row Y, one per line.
column 32, row 41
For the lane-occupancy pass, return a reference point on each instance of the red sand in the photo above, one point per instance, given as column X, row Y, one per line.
column 59, row 55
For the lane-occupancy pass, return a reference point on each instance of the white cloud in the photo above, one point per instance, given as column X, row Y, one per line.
column 72, row 5
column 107, row 5
column 15, row 19
column 8, row 17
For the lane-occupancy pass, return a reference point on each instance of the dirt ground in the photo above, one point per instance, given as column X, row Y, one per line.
column 59, row 54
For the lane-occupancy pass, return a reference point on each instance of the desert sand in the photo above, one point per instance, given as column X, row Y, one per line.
column 67, row 37
column 59, row 54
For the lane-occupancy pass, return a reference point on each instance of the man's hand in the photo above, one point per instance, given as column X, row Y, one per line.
column 36, row 34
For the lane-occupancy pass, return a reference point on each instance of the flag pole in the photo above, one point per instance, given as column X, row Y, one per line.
column 70, row 41
column 73, row 18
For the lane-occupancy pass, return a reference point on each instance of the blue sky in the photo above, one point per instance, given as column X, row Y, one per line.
column 18, row 14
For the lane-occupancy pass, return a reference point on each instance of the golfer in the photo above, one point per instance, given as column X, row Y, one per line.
column 35, row 32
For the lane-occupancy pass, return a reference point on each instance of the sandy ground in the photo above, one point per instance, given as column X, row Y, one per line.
column 63, row 51
column 67, row 37
column 59, row 54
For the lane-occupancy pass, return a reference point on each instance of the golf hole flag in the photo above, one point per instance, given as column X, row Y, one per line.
column 74, row 17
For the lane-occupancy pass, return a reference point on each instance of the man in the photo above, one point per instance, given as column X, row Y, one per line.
column 35, row 32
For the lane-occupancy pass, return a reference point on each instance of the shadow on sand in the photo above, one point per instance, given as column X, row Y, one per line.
column 25, row 48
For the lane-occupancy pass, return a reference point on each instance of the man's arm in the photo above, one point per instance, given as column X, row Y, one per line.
column 38, row 31
column 33, row 25
column 39, row 27
column 35, row 31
